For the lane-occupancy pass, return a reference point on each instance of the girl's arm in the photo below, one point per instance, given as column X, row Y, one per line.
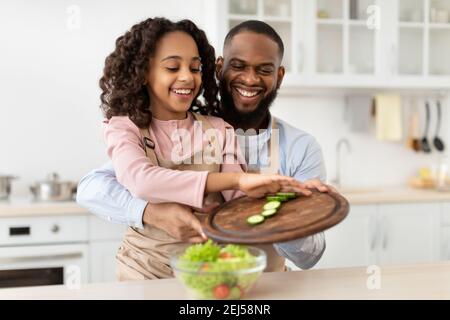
column 157, row 184
column 144, row 180
column 253, row 185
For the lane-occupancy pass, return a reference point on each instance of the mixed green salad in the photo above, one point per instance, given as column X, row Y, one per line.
column 212, row 271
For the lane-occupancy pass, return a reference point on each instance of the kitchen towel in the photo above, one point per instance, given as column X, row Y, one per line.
column 388, row 114
column 358, row 112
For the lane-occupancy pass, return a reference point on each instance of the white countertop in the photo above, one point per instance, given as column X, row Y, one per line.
column 418, row 281
column 357, row 196
column 17, row 207
column 22, row 207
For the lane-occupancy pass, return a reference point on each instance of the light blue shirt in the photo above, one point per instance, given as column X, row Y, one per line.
column 300, row 157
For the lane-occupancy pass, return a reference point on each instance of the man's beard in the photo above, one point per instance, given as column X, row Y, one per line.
column 231, row 114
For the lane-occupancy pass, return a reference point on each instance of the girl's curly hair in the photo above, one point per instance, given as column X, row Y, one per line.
column 122, row 84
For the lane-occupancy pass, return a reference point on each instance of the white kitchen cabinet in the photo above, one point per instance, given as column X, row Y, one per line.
column 408, row 233
column 445, row 247
column 354, row 43
column 105, row 239
column 100, row 229
column 384, row 234
column 352, row 242
column 103, row 260
column 281, row 14
column 445, row 232
column 71, row 247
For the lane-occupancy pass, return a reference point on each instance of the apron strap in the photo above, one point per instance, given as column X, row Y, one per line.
column 273, row 150
column 205, row 122
column 207, row 126
column 149, row 146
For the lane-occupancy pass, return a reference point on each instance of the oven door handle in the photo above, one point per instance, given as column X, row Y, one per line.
column 70, row 255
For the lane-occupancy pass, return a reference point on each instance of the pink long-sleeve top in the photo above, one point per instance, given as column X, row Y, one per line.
column 174, row 139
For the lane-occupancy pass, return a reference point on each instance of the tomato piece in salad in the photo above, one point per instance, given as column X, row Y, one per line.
column 225, row 255
column 204, row 267
column 222, row 291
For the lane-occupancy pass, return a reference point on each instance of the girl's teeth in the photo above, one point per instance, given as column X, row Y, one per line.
column 247, row 93
column 187, row 91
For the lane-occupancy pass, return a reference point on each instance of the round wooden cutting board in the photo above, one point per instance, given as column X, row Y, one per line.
column 296, row 218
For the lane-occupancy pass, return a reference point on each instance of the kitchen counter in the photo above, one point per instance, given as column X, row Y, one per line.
column 418, row 281
column 23, row 207
column 17, row 207
column 363, row 195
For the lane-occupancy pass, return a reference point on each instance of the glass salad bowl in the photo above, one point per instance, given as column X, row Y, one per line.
column 218, row 272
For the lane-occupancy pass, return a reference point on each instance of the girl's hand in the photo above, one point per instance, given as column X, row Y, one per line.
column 259, row 185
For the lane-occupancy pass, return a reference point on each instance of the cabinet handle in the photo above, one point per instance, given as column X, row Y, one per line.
column 445, row 252
column 373, row 228
column 55, row 228
column 301, row 57
column 61, row 256
column 385, row 232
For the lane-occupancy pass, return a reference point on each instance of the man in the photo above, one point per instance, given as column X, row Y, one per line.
column 250, row 74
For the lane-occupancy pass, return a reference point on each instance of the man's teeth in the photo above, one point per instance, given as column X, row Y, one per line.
column 182, row 91
column 246, row 93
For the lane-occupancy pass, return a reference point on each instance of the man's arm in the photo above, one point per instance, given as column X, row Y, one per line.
column 101, row 193
column 307, row 167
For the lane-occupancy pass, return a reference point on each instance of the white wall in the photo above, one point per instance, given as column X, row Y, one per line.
column 49, row 96
column 371, row 162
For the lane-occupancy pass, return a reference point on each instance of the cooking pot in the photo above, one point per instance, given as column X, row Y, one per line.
column 53, row 189
column 5, row 186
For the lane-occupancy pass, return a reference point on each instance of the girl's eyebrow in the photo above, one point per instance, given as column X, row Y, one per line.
column 179, row 58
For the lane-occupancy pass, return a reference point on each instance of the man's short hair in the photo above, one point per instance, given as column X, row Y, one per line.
column 256, row 26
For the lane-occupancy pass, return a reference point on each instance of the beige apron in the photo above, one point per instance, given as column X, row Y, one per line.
column 145, row 253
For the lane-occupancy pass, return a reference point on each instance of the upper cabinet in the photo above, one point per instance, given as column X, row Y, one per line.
column 355, row 43
column 344, row 37
column 278, row 13
column 423, row 37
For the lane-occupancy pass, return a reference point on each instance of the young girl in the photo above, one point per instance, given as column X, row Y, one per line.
column 150, row 87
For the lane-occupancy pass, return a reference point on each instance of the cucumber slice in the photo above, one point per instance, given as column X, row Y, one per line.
column 289, row 195
column 272, row 205
column 269, row 213
column 276, row 198
column 256, row 219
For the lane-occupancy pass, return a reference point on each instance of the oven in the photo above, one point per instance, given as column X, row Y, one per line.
column 48, row 250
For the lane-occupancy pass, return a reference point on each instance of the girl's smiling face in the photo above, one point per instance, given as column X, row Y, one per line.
column 174, row 77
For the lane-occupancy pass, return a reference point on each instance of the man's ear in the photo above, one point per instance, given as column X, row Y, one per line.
column 219, row 66
column 280, row 76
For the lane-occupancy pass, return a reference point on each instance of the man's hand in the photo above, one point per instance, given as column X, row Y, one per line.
column 177, row 220
column 317, row 184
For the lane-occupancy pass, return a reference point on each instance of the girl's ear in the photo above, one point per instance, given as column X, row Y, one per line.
column 219, row 67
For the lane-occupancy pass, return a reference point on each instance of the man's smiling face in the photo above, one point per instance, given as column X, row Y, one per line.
column 249, row 72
